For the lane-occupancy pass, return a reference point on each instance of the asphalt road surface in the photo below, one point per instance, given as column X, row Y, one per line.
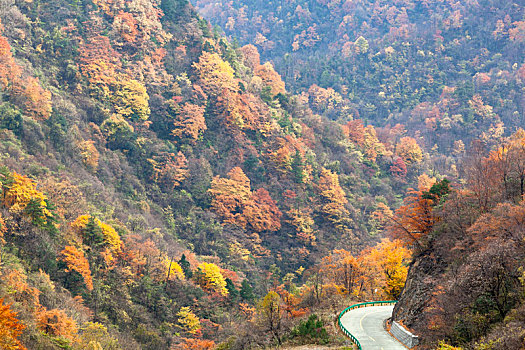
column 366, row 324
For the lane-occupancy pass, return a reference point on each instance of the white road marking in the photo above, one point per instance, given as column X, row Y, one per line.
column 362, row 318
column 381, row 339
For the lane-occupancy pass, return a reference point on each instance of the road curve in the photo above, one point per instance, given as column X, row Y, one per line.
column 366, row 324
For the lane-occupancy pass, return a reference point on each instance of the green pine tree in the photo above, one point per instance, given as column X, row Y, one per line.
column 93, row 233
column 186, row 267
column 298, row 168
column 246, row 291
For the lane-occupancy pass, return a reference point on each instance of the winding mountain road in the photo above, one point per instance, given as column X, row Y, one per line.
column 366, row 324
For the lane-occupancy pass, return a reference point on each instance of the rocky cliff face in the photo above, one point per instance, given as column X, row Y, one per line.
column 421, row 284
column 466, row 287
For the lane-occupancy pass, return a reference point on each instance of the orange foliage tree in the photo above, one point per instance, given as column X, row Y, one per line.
column 10, row 328
column 26, row 92
column 3, row 230
column 505, row 222
column 229, row 195
column 343, row 270
column 355, row 130
column 55, row 322
column 35, row 100
column 251, row 56
column 235, row 203
column 170, row 171
column 189, row 123
column 517, row 32
column 507, row 164
column 76, row 261
column 414, row 220
column 242, row 111
column 270, row 78
column 20, row 291
column 126, row 26
column 291, row 303
column 262, row 212
column 142, row 257
column 99, row 63
column 195, row 344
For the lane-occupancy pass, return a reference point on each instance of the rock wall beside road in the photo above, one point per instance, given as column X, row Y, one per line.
column 408, row 339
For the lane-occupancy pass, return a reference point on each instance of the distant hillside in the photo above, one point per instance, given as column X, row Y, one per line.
column 433, row 66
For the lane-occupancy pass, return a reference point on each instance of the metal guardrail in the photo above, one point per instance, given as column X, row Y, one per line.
column 357, row 306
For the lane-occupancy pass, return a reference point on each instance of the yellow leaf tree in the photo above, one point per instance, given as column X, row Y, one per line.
column 371, row 145
column 409, row 150
column 210, row 278
column 173, row 269
column 332, row 196
column 89, row 154
column 96, row 233
column 215, row 74
column 19, row 192
column 270, row 313
column 95, row 336
column 386, row 264
column 303, row 224
column 189, row 321
column 131, row 100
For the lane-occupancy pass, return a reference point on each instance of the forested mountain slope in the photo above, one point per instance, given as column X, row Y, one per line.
column 157, row 182
column 450, row 70
column 445, row 75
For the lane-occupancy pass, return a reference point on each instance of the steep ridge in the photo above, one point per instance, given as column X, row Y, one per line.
column 465, row 286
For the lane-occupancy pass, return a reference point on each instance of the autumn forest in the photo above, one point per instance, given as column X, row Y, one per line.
column 233, row 174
